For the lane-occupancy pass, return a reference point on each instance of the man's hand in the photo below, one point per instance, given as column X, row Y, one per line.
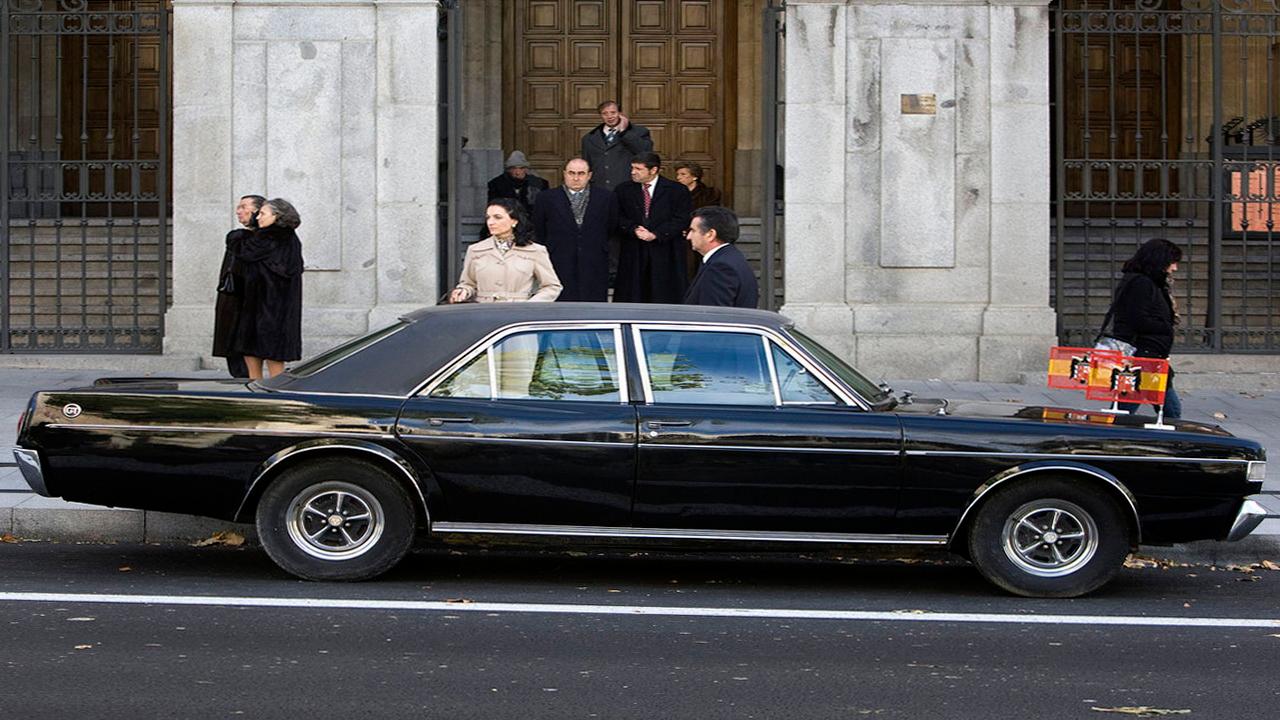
column 644, row 234
column 623, row 123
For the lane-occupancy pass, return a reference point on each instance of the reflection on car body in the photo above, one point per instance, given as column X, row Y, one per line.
column 640, row 421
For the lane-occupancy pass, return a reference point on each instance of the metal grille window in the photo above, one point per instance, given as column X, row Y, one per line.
column 1166, row 125
column 85, row 185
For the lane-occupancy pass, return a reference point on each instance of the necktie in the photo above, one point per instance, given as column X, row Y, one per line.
column 608, row 135
column 648, row 200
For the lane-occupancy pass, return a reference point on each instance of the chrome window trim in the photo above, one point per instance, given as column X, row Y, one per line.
column 1019, row 471
column 486, row 344
column 689, row 534
column 217, row 429
column 837, row 389
column 773, row 371
column 1067, row 456
column 274, row 391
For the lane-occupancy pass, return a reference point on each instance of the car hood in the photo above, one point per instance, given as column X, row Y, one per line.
column 1046, row 414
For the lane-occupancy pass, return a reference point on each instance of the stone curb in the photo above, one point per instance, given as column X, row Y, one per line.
column 86, row 523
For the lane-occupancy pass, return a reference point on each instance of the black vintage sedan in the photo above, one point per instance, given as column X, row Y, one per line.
column 644, row 422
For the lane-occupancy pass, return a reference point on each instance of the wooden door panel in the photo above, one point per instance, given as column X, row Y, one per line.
column 664, row 61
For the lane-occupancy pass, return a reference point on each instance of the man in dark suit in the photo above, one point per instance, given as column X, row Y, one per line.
column 725, row 278
column 653, row 213
column 574, row 222
column 609, row 146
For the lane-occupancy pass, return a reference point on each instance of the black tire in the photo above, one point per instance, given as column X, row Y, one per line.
column 1049, row 537
column 336, row 519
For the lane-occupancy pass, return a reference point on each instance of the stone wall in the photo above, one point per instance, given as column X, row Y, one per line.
column 917, row 151
column 331, row 105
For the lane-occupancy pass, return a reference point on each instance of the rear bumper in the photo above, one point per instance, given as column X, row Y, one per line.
column 1250, row 515
column 29, row 464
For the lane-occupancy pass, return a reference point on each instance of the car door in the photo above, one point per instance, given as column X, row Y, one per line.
column 738, row 432
column 533, row 428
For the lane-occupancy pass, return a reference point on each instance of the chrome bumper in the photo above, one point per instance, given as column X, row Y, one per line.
column 1251, row 514
column 29, row 464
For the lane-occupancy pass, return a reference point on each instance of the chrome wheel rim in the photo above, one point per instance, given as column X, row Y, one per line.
column 1050, row 538
column 335, row 521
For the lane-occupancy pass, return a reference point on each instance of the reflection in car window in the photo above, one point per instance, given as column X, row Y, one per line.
column 558, row 365
column 707, row 368
column 796, row 384
column 851, row 377
column 472, row 381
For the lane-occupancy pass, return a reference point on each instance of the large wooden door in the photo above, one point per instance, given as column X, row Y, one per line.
column 667, row 63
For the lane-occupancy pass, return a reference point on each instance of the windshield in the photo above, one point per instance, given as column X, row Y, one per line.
column 869, row 391
column 335, row 354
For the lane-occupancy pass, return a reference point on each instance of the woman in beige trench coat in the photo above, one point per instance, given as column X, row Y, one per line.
column 504, row 266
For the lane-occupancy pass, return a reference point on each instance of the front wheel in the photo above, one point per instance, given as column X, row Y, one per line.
column 1049, row 538
column 336, row 519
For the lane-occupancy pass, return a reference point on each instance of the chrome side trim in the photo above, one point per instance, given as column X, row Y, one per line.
column 282, row 391
column 215, row 429
column 1250, row 515
column 1067, row 456
column 274, row 461
column 678, row 534
column 761, row 448
column 28, row 462
column 480, row 438
column 1019, row 471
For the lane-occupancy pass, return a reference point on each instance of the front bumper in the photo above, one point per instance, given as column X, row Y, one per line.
column 1251, row 514
column 29, row 464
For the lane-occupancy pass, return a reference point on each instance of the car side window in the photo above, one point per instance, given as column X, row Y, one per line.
column 471, row 381
column 579, row 365
column 707, row 368
column 796, row 384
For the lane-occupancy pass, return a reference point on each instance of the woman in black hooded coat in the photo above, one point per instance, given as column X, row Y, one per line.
column 1145, row 313
column 270, row 326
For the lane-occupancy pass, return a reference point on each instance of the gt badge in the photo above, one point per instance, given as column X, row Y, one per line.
column 71, row 410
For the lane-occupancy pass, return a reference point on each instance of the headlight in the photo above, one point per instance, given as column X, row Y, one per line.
column 1257, row 470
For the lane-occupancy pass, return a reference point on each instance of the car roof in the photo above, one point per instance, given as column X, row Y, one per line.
column 431, row 337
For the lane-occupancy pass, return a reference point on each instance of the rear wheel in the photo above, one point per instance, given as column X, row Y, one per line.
column 336, row 519
column 1049, row 538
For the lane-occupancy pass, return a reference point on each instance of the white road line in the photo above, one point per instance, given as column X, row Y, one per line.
column 643, row 611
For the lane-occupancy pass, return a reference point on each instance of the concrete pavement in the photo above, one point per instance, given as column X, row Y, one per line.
column 1252, row 413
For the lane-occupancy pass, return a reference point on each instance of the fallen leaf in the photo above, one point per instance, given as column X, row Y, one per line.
column 1220, row 416
column 222, row 537
column 124, row 568
column 1141, row 711
column 1137, row 561
column 8, row 538
column 1275, row 635
column 1241, row 568
column 83, row 647
column 1270, row 565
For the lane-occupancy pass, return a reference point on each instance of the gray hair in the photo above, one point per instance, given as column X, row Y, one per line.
column 286, row 214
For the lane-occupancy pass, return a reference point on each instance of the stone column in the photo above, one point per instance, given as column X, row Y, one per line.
column 814, row 172
column 407, row 117
column 1018, row 326
column 202, row 192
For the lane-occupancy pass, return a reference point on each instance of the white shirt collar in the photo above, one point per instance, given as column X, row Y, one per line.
column 707, row 257
column 653, row 184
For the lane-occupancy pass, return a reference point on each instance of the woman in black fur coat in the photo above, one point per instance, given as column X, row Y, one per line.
column 270, row 327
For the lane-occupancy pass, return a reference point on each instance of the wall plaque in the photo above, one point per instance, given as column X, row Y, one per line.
column 926, row 104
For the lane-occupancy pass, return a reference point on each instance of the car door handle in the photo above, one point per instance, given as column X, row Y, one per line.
column 659, row 424
column 438, row 421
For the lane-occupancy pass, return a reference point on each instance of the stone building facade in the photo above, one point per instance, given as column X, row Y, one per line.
column 914, row 142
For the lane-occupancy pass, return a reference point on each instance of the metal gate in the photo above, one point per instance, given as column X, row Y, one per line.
column 85, row 262
column 1165, row 125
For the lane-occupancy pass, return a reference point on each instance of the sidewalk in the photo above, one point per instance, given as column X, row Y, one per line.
column 1251, row 414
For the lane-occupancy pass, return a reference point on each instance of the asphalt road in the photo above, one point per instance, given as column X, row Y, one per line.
column 177, row 632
